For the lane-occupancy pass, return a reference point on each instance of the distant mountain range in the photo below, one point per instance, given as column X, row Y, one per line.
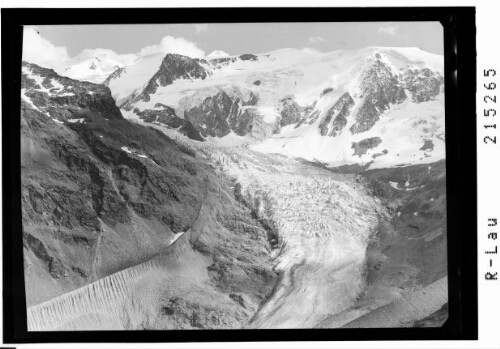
column 377, row 107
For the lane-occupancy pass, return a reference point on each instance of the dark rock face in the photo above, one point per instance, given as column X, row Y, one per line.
column 428, row 145
column 107, row 194
column 238, row 299
column 62, row 97
column 248, row 57
column 424, row 84
column 176, row 66
column 341, row 110
column 366, row 117
column 243, row 122
column 77, row 183
column 115, row 75
column 380, row 89
column 326, row 91
column 212, row 114
column 173, row 67
column 361, row 147
column 54, row 266
column 219, row 114
column 308, row 116
column 168, row 118
column 290, row 112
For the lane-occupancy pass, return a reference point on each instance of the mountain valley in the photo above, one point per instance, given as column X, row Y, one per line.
column 289, row 189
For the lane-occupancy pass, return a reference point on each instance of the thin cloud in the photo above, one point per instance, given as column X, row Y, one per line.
column 200, row 28
column 389, row 29
column 316, row 39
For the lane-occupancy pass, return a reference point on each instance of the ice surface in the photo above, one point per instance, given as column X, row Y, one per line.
column 323, row 223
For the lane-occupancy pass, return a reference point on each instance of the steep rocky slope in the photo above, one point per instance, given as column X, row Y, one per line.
column 101, row 195
column 63, row 98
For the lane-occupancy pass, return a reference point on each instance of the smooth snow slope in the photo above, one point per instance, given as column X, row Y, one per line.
column 134, row 77
column 94, row 65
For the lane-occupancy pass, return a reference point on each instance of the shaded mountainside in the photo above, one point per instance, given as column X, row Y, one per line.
column 380, row 89
column 62, row 97
column 406, row 258
column 217, row 116
column 104, row 195
column 173, row 67
column 165, row 115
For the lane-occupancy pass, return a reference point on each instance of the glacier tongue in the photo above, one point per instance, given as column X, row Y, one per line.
column 323, row 222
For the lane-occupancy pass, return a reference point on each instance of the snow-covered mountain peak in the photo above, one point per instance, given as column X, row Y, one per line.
column 95, row 65
column 340, row 107
column 217, row 54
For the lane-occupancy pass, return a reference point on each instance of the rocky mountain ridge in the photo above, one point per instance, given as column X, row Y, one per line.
column 63, row 98
column 102, row 194
column 243, row 96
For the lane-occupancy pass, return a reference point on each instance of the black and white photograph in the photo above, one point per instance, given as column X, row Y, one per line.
column 234, row 176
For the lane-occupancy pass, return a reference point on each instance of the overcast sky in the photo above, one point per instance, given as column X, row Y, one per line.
column 64, row 41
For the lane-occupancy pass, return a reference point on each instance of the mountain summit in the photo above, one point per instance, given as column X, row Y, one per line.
column 317, row 106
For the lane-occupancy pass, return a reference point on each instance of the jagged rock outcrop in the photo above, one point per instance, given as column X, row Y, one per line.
column 310, row 117
column 341, row 110
column 220, row 114
column 361, row 147
column 423, row 84
column 380, row 88
column 64, row 98
column 167, row 117
column 290, row 112
column 173, row 67
column 115, row 74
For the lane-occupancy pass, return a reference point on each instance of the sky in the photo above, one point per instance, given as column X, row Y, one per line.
column 57, row 43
